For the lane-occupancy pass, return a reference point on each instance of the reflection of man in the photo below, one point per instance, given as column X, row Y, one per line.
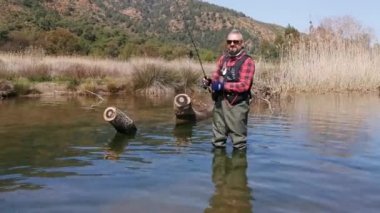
column 232, row 193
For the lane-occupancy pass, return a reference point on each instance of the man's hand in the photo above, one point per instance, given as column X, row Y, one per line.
column 206, row 82
column 217, row 86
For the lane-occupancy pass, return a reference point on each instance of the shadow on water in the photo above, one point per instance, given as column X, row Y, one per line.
column 229, row 175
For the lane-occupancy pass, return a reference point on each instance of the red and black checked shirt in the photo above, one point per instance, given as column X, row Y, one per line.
column 247, row 71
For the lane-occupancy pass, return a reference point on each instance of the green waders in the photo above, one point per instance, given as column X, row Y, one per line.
column 230, row 120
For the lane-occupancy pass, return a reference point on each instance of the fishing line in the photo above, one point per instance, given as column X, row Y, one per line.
column 192, row 38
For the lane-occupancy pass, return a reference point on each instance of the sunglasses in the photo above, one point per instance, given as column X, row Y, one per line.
column 234, row 41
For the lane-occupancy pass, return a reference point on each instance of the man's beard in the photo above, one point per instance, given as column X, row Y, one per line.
column 235, row 53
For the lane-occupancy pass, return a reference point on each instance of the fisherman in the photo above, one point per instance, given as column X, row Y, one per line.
column 231, row 84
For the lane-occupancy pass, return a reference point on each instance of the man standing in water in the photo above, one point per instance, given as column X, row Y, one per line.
column 231, row 84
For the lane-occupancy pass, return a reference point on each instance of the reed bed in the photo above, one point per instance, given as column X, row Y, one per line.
column 157, row 77
column 330, row 66
column 60, row 67
column 152, row 76
column 313, row 65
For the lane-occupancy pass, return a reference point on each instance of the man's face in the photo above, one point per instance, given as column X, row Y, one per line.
column 234, row 43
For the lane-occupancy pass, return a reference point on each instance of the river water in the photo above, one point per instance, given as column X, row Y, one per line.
column 313, row 153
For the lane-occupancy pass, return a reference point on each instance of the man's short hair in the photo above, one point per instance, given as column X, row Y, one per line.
column 236, row 31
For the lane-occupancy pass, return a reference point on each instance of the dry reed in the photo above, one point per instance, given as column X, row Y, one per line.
column 93, row 74
column 335, row 65
column 313, row 65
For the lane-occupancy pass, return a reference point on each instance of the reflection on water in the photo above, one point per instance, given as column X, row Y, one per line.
column 322, row 152
column 313, row 153
column 232, row 193
column 336, row 124
column 117, row 146
column 34, row 143
column 182, row 134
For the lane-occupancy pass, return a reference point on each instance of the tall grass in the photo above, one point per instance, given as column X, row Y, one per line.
column 337, row 65
column 156, row 76
column 314, row 64
column 338, row 55
column 143, row 75
column 267, row 74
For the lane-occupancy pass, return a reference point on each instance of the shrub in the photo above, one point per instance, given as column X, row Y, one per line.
column 60, row 41
column 115, row 87
column 79, row 72
column 151, row 76
column 189, row 79
column 38, row 72
column 73, row 85
column 4, row 73
column 22, row 86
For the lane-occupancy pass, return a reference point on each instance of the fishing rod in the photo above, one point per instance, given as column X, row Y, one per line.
column 192, row 41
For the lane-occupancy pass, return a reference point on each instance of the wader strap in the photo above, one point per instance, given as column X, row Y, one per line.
column 238, row 63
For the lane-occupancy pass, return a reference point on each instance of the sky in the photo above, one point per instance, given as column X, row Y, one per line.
column 298, row 13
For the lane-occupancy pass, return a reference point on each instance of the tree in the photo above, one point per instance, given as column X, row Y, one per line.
column 48, row 21
column 269, row 51
column 292, row 34
column 3, row 35
column 344, row 28
column 61, row 41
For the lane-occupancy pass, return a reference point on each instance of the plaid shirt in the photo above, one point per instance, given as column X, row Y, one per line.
column 247, row 71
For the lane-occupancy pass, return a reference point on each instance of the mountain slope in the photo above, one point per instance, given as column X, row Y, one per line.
column 109, row 27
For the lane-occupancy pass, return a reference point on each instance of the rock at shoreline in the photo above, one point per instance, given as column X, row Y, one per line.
column 7, row 89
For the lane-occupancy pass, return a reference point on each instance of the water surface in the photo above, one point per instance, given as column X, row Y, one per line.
column 312, row 154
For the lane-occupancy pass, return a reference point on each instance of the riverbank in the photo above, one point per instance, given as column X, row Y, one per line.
column 38, row 74
column 35, row 74
column 313, row 66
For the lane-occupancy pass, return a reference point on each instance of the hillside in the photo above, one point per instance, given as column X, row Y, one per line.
column 122, row 28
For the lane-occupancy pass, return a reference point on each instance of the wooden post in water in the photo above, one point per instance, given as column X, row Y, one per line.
column 119, row 120
column 184, row 111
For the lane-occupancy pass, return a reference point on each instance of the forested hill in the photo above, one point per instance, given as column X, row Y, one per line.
column 122, row 28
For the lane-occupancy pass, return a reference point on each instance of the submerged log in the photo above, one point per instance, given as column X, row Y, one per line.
column 119, row 120
column 186, row 113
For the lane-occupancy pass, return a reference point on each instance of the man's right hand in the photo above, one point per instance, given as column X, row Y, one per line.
column 206, row 82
